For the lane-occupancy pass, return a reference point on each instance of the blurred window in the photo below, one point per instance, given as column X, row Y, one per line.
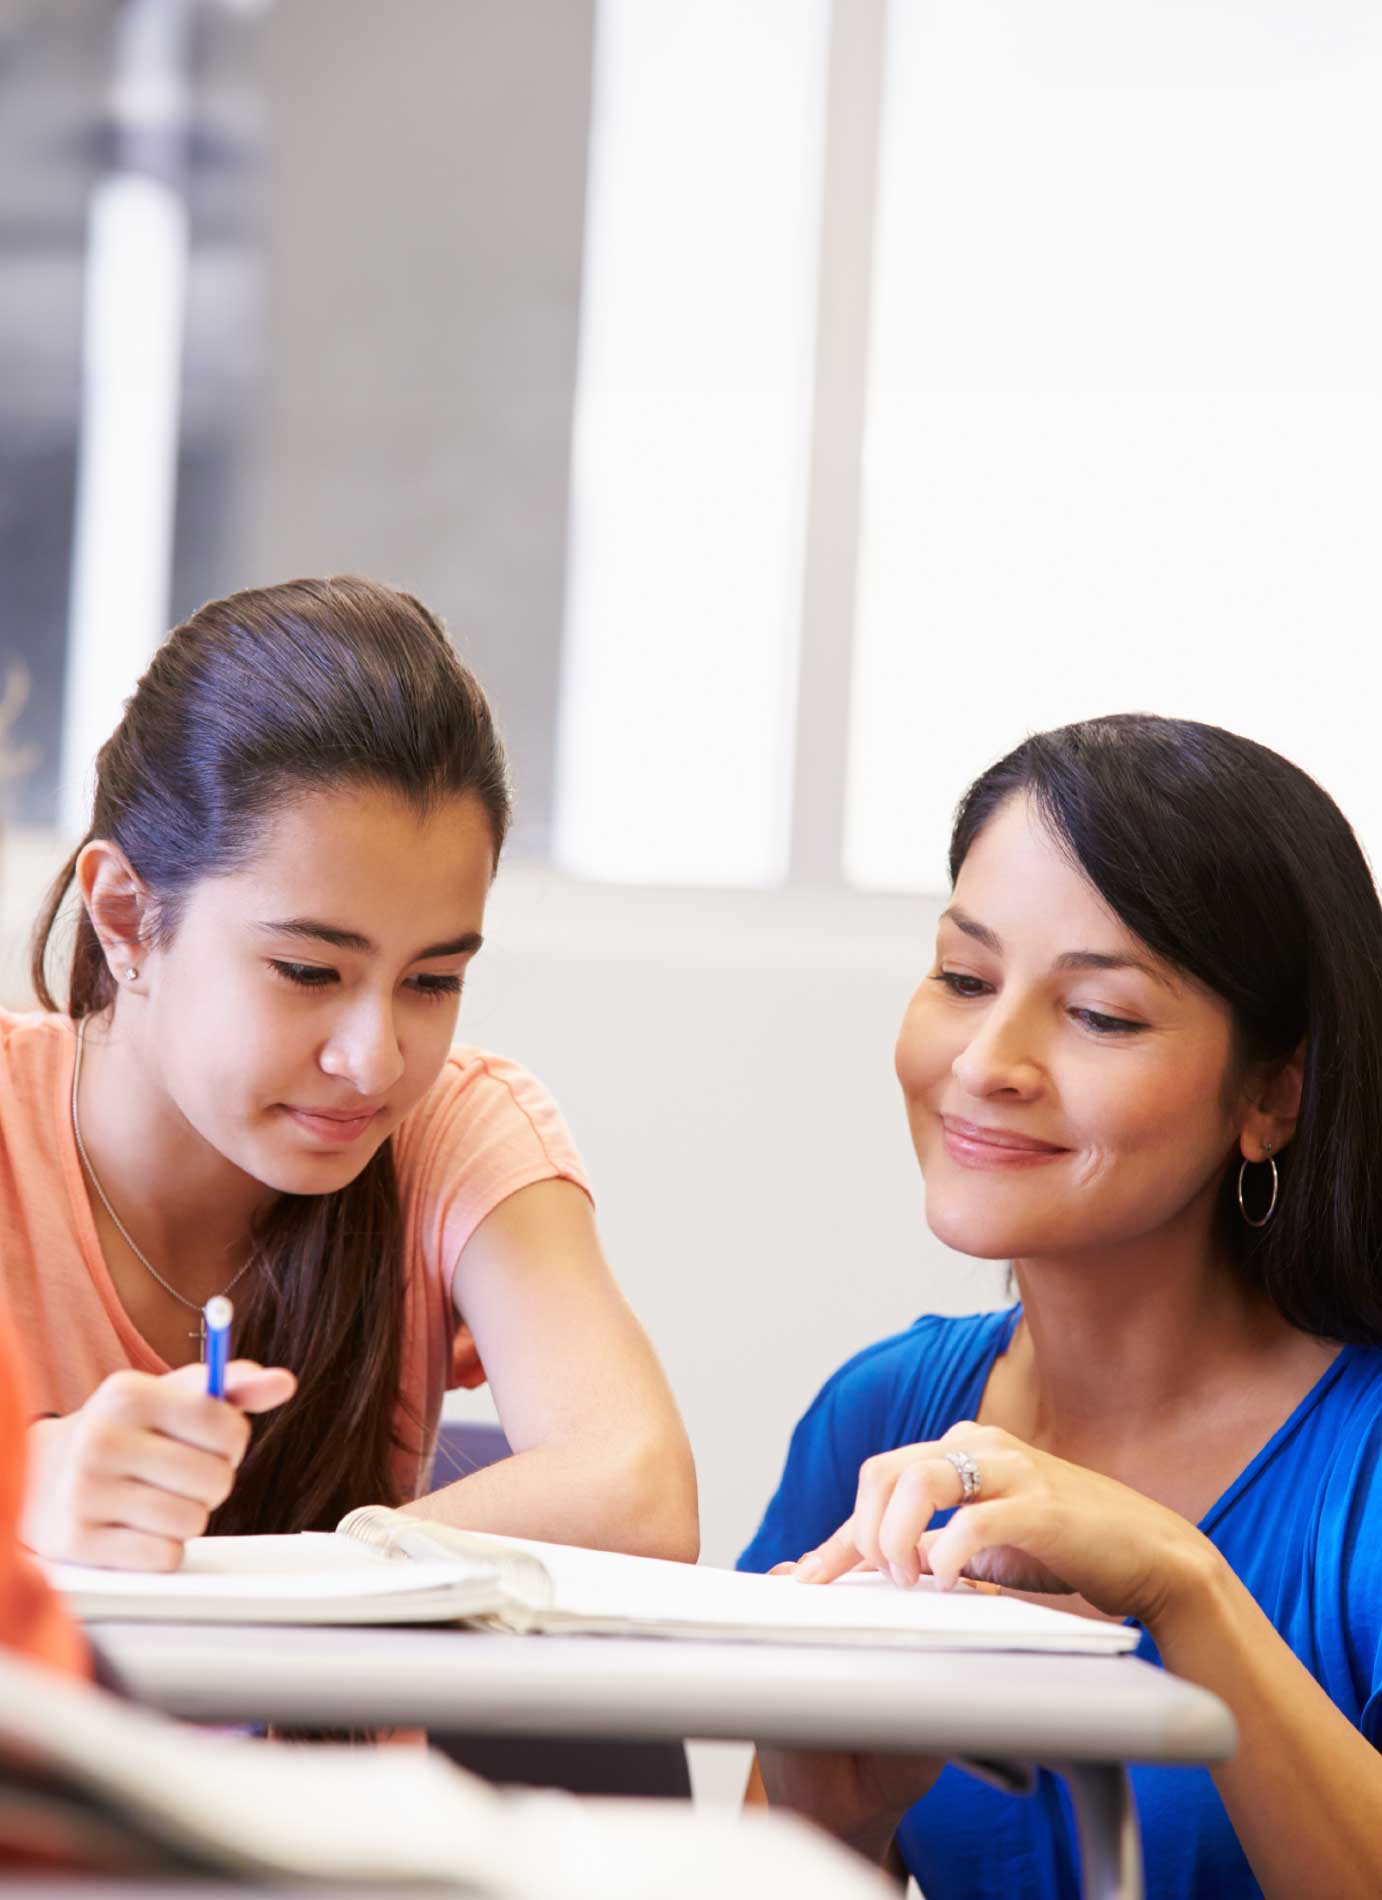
column 1122, row 449
column 765, row 528
column 692, row 441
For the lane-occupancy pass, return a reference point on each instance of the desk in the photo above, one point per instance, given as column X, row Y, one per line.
column 1083, row 1716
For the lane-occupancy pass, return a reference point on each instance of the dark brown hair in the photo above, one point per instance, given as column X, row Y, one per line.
column 256, row 700
column 1232, row 864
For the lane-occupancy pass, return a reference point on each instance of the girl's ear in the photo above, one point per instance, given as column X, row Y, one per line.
column 118, row 906
column 1271, row 1120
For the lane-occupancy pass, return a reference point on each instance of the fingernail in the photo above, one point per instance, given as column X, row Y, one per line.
column 899, row 1576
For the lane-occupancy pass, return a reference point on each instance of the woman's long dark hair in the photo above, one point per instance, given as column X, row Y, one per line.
column 1232, row 865
column 254, row 701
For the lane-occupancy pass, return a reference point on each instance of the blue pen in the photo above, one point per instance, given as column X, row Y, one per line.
column 217, row 1315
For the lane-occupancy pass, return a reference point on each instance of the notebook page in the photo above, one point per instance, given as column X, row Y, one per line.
column 312, row 1577
column 400, row 1538
column 598, row 1589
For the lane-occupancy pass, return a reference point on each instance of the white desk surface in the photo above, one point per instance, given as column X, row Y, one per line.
column 996, row 1705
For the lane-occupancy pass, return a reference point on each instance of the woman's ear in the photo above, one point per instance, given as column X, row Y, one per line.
column 118, row 906
column 1271, row 1120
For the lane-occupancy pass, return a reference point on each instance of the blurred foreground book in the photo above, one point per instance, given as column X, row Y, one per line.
column 89, row 1783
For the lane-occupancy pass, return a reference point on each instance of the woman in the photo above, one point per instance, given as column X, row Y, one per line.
column 253, row 1090
column 1146, row 1067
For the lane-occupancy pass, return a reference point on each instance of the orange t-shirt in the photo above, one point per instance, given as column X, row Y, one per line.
column 31, row 1620
column 484, row 1129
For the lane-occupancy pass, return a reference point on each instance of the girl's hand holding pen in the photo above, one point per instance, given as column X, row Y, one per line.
column 127, row 1479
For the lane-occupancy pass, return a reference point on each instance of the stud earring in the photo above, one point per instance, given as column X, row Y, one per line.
column 131, row 974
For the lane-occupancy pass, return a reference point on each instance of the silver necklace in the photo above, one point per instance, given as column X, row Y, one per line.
column 120, row 1227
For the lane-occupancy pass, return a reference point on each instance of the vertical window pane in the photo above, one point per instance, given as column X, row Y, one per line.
column 1123, row 448
column 692, row 422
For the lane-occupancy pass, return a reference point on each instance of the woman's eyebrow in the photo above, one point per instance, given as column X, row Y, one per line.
column 1067, row 960
column 1101, row 960
column 973, row 928
column 309, row 927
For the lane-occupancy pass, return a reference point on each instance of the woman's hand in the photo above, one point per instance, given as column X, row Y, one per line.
column 1038, row 1523
column 859, row 1798
column 127, row 1479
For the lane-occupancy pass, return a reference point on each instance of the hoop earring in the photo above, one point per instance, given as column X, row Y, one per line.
column 1271, row 1205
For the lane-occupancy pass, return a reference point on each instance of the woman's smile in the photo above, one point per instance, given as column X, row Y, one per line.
column 972, row 1146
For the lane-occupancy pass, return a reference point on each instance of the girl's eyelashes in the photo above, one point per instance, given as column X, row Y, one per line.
column 317, row 976
column 308, row 976
column 436, row 986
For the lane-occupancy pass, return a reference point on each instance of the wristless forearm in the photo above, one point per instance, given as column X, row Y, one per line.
column 1303, row 1788
column 573, row 1493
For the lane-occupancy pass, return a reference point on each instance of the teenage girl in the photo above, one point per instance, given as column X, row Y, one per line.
column 249, row 1086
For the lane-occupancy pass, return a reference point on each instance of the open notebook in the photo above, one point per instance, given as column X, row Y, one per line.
column 381, row 1566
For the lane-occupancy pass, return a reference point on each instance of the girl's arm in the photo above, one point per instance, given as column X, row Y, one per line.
column 601, row 1457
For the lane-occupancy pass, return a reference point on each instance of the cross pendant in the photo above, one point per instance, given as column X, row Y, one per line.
column 200, row 1337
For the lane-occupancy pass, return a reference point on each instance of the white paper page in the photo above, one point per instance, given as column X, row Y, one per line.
column 310, row 1569
column 599, row 1586
column 308, row 1552
column 281, row 1557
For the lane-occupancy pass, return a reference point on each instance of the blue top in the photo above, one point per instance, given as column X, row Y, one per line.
column 1301, row 1525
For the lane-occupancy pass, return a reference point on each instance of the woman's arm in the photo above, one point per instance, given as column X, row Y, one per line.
column 1304, row 1789
column 601, row 1457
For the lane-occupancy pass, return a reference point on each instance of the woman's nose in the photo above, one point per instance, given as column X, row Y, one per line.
column 1000, row 1057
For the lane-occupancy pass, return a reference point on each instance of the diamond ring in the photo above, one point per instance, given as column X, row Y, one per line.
column 971, row 1483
